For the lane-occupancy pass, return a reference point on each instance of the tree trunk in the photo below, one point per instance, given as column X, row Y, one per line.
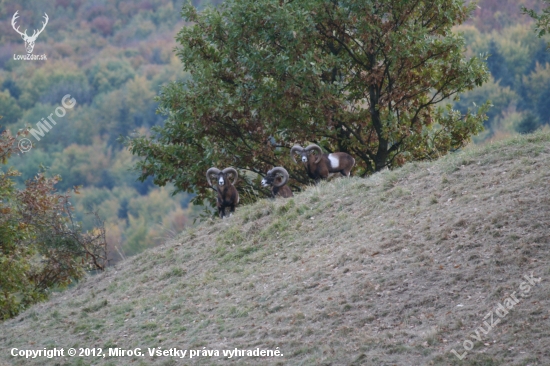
column 381, row 157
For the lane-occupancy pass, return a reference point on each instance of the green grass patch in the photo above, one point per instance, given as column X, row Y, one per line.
column 95, row 307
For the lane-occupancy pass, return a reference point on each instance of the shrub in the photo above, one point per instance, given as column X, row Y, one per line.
column 41, row 246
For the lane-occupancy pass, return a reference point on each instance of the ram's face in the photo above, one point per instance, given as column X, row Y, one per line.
column 267, row 181
column 304, row 157
column 221, row 180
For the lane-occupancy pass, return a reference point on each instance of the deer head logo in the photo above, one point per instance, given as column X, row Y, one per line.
column 29, row 40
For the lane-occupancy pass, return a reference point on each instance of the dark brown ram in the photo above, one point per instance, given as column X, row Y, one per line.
column 277, row 179
column 320, row 165
column 227, row 193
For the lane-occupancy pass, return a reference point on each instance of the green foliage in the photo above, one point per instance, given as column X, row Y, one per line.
column 107, row 75
column 8, row 105
column 520, row 69
column 112, row 57
column 543, row 107
column 365, row 78
column 498, row 66
column 501, row 98
column 528, row 124
column 542, row 19
column 41, row 247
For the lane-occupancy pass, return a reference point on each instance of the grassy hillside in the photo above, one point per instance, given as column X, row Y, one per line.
column 397, row 269
column 114, row 56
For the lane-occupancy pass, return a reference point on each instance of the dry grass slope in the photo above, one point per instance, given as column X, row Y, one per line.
column 397, row 269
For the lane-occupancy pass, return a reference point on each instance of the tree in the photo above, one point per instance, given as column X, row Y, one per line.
column 368, row 78
column 41, row 246
column 501, row 99
column 529, row 123
column 542, row 19
column 10, row 110
column 543, row 107
column 497, row 66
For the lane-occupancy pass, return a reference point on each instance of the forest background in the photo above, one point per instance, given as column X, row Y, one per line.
column 114, row 56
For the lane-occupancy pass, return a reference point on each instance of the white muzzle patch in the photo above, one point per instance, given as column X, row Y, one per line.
column 221, row 182
column 304, row 159
column 264, row 183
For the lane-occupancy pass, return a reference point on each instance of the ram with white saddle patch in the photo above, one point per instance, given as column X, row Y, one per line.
column 320, row 165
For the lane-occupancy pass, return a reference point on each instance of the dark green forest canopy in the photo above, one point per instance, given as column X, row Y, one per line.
column 369, row 78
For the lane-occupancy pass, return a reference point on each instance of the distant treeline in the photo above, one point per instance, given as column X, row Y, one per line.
column 519, row 63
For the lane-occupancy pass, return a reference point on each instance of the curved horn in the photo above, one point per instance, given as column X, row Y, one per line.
column 211, row 171
column 231, row 170
column 295, row 148
column 283, row 172
column 314, row 147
